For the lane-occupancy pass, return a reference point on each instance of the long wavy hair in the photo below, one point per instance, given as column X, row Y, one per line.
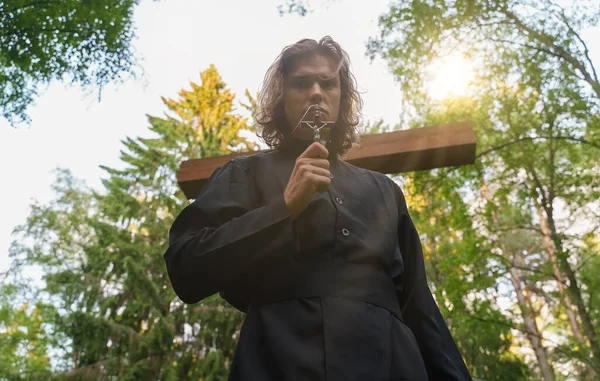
column 270, row 120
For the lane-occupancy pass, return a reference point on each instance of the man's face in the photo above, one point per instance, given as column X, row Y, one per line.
column 309, row 82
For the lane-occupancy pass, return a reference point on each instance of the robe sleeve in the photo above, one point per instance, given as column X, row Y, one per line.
column 419, row 310
column 220, row 235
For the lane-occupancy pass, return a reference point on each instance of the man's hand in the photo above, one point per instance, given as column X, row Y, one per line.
column 310, row 175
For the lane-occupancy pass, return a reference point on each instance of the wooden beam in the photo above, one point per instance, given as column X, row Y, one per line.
column 391, row 152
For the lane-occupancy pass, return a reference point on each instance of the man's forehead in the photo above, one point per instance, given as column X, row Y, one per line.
column 314, row 65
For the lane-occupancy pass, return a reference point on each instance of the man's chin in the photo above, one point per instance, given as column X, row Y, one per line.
column 303, row 133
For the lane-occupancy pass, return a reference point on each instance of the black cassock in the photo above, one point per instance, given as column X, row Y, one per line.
column 340, row 293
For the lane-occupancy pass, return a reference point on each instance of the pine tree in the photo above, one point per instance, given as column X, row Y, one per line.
column 102, row 253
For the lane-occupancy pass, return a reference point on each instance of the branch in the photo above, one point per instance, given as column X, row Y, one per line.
column 513, row 326
column 549, row 299
column 546, row 40
column 509, row 264
column 519, row 227
column 527, row 46
column 497, row 322
column 533, row 270
column 586, row 51
column 538, row 184
column 488, row 23
column 568, row 138
column 90, row 371
column 445, row 172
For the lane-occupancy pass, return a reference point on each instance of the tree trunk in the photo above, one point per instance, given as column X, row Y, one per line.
column 531, row 329
column 549, row 247
column 570, row 309
column 576, row 294
column 548, row 223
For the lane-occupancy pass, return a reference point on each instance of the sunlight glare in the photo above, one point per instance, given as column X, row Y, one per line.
column 450, row 77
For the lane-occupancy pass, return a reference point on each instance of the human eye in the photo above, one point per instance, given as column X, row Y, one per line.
column 301, row 83
column 329, row 84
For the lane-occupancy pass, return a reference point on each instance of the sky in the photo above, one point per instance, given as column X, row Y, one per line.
column 176, row 41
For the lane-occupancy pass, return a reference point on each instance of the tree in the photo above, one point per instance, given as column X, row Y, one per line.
column 101, row 254
column 86, row 42
column 538, row 158
column 457, row 255
column 531, row 37
column 23, row 342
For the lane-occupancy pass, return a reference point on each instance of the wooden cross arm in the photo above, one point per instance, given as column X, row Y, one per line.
column 391, row 152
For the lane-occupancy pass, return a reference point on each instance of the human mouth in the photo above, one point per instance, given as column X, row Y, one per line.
column 317, row 109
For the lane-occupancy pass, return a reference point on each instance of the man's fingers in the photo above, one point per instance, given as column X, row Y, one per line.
column 321, row 183
column 320, row 171
column 321, row 163
column 315, row 150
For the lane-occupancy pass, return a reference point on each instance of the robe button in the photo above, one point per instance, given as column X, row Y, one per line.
column 345, row 232
column 339, row 200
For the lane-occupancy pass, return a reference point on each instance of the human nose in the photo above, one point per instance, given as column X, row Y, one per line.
column 316, row 94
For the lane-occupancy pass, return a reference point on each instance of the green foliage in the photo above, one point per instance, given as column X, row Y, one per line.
column 101, row 255
column 86, row 42
column 460, row 267
column 23, row 340
column 492, row 211
column 529, row 40
column 523, row 220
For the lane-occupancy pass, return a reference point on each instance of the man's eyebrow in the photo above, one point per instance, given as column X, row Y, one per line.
column 320, row 76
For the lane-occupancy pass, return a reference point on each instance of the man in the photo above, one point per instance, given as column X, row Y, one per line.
column 322, row 255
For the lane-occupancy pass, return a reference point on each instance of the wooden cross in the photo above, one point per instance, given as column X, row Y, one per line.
column 391, row 152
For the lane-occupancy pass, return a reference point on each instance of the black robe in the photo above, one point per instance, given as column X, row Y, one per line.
column 340, row 293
